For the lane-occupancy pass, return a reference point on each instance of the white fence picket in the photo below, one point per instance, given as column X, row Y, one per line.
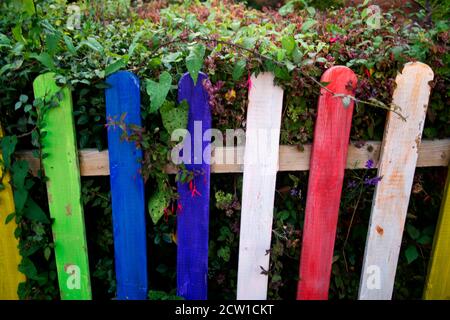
column 260, row 169
column 399, row 152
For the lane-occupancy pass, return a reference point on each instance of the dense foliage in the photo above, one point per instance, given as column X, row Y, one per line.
column 160, row 42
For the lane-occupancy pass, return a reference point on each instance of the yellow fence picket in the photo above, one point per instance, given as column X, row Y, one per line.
column 10, row 277
column 438, row 280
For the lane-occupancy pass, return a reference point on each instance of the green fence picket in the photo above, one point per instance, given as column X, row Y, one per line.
column 64, row 188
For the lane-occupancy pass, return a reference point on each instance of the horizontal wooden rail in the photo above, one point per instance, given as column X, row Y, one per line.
column 432, row 153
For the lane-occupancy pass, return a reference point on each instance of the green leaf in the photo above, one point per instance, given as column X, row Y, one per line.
column 224, row 253
column 19, row 173
column 52, row 42
column 28, row 268
column 23, row 98
column 115, row 66
column 249, row 42
column 308, row 24
column 33, row 212
column 9, row 217
column 171, row 57
column 411, row 254
column 311, row 11
column 134, row 43
column 18, row 35
column 157, row 203
column 25, row 6
column 20, row 197
column 412, row 231
column 158, row 90
column 174, row 118
column 45, row 59
column 194, row 61
column 281, row 73
column 276, row 278
column 69, row 44
column 239, row 69
column 425, row 239
column 8, row 145
column 288, row 44
column 47, row 253
column 93, row 44
column 287, row 8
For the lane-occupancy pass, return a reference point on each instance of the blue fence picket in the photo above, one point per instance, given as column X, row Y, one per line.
column 193, row 206
column 127, row 188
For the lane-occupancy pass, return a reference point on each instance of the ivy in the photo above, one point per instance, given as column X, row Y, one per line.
column 194, row 61
column 158, row 90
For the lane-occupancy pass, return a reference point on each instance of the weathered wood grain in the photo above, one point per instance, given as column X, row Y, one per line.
column 328, row 160
column 10, row 277
column 437, row 286
column 127, row 189
column 399, row 153
column 258, row 190
column 64, row 191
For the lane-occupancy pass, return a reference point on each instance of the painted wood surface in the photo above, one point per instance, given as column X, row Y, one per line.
column 258, row 190
column 328, row 160
column 10, row 277
column 193, row 202
column 64, row 191
column 438, row 281
column 432, row 153
column 127, row 189
column 398, row 159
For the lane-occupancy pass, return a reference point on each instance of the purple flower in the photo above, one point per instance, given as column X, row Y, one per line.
column 352, row 184
column 372, row 181
column 294, row 192
column 369, row 164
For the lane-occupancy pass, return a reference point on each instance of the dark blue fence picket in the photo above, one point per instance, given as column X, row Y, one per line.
column 193, row 206
column 127, row 188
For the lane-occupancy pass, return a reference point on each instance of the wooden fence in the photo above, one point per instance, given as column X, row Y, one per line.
column 396, row 158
